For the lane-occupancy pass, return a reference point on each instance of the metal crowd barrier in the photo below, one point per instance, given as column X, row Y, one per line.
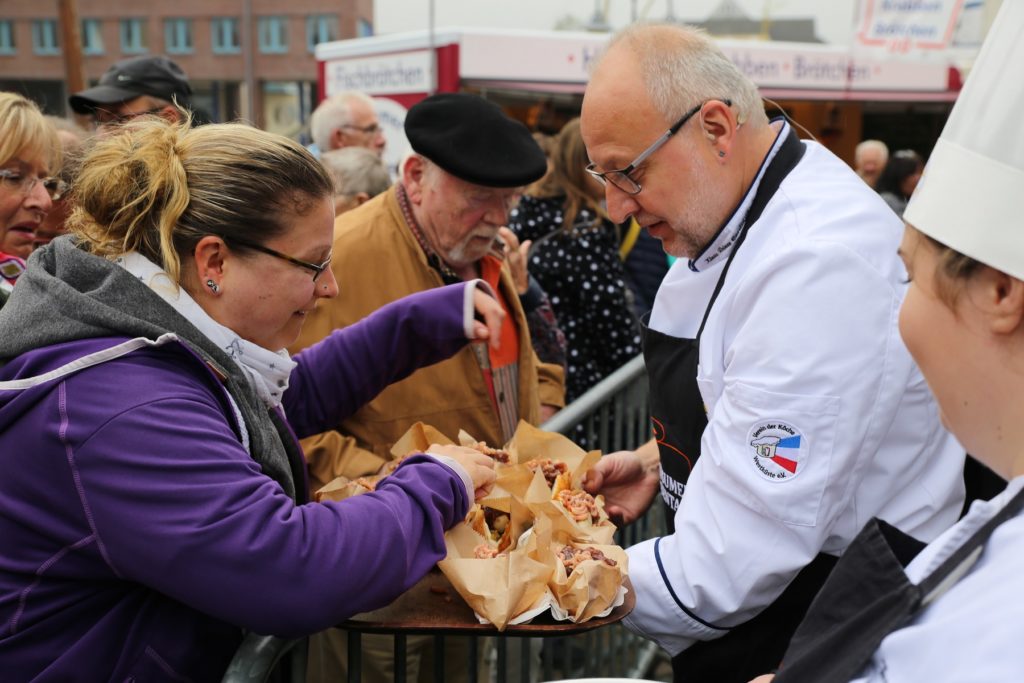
column 612, row 416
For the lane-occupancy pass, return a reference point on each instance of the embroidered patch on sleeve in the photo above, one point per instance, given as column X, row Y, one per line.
column 778, row 450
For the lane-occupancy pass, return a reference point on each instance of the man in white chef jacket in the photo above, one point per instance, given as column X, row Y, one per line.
column 785, row 408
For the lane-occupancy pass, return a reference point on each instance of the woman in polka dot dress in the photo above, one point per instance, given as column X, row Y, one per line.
column 575, row 258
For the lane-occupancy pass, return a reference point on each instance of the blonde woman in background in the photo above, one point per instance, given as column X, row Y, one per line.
column 29, row 154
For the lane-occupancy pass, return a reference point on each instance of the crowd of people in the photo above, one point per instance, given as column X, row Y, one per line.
column 893, row 176
column 204, row 324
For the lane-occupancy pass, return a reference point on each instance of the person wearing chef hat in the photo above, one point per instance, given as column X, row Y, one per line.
column 963, row 321
column 786, row 410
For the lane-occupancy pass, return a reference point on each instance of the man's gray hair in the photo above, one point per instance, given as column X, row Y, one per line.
column 333, row 113
column 355, row 170
column 871, row 145
column 682, row 67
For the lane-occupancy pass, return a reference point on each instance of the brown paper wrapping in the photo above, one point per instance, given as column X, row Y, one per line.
column 503, row 589
column 593, row 585
column 417, row 439
column 339, row 488
column 528, row 576
column 498, row 588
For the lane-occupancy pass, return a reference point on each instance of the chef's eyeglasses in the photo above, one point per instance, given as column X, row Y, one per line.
column 318, row 270
column 55, row 187
column 621, row 178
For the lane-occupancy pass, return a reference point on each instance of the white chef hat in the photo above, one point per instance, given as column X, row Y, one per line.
column 971, row 196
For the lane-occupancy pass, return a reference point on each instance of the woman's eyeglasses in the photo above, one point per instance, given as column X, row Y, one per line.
column 317, row 269
column 55, row 187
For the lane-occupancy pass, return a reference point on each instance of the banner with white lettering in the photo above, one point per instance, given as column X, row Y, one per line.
column 387, row 74
column 907, row 27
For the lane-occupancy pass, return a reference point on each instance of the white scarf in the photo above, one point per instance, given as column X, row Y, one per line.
column 268, row 371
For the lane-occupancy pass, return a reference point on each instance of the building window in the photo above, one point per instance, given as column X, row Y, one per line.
column 273, row 34
column 320, row 28
column 6, row 37
column 92, row 39
column 364, row 28
column 45, row 37
column 178, row 36
column 225, row 35
column 133, row 36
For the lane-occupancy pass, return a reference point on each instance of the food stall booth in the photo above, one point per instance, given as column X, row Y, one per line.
column 836, row 94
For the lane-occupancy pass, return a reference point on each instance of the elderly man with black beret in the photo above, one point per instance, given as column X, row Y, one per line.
column 437, row 225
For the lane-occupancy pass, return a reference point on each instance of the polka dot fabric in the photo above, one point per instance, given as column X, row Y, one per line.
column 580, row 270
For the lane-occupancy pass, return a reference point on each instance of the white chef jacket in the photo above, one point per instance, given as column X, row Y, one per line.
column 972, row 633
column 801, row 343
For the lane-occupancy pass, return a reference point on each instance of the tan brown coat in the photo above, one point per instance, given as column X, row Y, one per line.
column 377, row 260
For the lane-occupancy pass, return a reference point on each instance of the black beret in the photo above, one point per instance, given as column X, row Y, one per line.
column 474, row 140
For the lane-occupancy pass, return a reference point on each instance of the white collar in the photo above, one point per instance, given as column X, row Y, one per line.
column 268, row 371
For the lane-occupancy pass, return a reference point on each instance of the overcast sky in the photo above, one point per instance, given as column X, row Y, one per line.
column 834, row 17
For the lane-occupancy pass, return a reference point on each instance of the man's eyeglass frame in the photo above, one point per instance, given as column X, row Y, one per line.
column 110, row 118
column 371, row 129
column 621, row 179
column 318, row 270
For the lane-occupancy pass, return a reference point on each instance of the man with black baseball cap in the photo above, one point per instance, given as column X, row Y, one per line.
column 150, row 84
column 437, row 225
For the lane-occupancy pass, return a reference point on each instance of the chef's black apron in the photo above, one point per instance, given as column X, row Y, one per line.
column 678, row 418
column 868, row 596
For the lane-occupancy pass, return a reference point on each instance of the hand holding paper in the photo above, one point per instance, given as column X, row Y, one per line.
column 479, row 466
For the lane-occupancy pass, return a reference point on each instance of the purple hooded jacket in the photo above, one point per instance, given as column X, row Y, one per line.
column 139, row 539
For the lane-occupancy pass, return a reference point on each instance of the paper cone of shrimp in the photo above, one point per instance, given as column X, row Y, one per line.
column 498, row 588
column 587, row 579
column 532, row 450
column 499, row 528
column 577, row 510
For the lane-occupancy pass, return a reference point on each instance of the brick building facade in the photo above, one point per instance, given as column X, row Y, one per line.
column 223, row 46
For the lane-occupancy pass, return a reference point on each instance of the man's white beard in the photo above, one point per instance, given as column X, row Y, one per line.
column 460, row 255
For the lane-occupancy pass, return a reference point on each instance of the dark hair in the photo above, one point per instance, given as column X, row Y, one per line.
column 953, row 271
column 901, row 165
column 158, row 188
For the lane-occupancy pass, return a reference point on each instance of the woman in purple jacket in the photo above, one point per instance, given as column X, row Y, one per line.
column 152, row 499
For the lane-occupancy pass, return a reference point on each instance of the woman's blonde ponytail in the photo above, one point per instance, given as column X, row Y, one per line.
column 158, row 188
